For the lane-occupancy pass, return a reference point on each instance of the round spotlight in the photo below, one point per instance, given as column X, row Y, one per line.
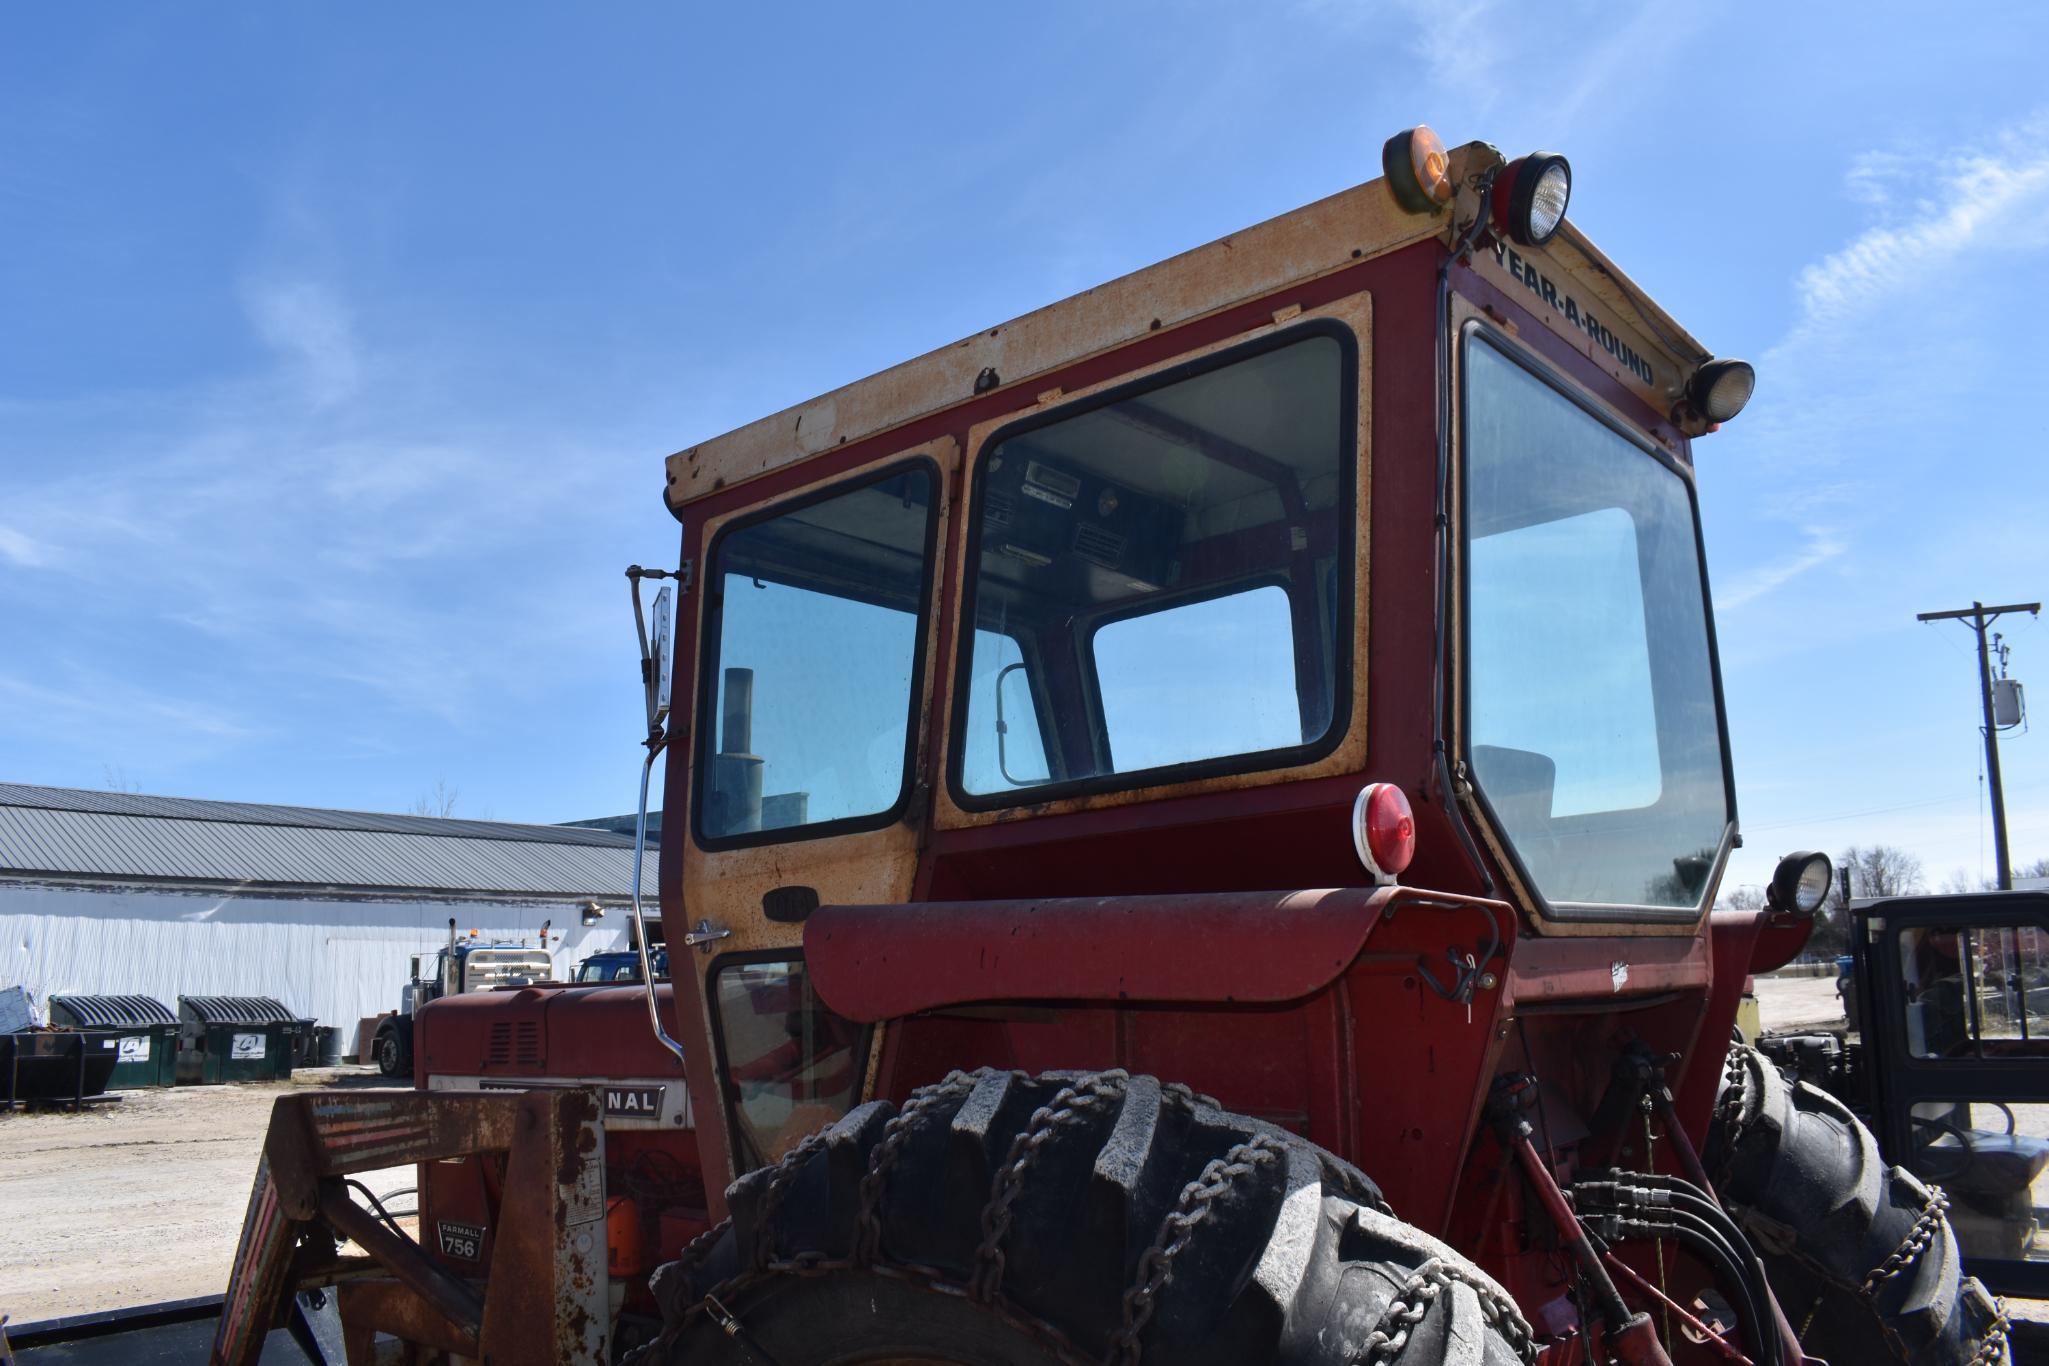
column 1801, row 882
column 1418, row 171
column 1539, row 187
column 1383, row 831
column 1720, row 388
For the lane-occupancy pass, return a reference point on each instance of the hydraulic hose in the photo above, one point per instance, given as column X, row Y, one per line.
column 1689, row 1196
column 1644, row 1202
column 1701, row 1238
column 1683, row 1194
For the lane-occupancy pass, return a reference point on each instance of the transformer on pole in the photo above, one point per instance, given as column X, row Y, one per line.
column 1980, row 616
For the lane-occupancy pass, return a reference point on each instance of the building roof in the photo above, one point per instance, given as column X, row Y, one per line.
column 74, row 833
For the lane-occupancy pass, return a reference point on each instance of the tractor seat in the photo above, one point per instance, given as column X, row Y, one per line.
column 1998, row 1164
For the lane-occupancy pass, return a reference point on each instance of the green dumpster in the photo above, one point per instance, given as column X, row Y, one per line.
column 236, row 1038
column 141, row 1031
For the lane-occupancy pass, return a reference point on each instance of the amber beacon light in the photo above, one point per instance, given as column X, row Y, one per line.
column 1417, row 169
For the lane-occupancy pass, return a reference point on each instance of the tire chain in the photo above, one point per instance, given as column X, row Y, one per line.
column 1934, row 1214
column 1992, row 1348
column 1071, row 1105
column 1177, row 1229
column 781, row 1177
column 1729, row 1109
column 1412, row 1305
column 895, row 1134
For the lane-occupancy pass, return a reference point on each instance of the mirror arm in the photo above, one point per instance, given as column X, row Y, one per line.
column 655, row 743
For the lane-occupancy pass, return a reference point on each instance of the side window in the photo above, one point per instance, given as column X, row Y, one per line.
column 1978, row 992
column 793, row 1065
column 812, row 654
column 1199, row 680
column 1169, row 563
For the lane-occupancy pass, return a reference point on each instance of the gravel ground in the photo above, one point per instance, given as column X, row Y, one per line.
column 1792, row 1003
column 141, row 1199
column 138, row 1199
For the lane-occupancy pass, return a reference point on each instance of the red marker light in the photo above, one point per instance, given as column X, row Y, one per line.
column 1383, row 830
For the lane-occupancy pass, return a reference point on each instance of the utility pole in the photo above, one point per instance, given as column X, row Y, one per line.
column 1980, row 617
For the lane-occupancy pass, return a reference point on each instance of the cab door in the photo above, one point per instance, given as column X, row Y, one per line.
column 1955, row 998
column 811, row 683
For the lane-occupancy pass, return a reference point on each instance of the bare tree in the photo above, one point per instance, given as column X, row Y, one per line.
column 1876, row 870
column 439, row 802
column 1744, row 898
column 1879, row 870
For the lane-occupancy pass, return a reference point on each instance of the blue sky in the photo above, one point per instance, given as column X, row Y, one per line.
column 342, row 345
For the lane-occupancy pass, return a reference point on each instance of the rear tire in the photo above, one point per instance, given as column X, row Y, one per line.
column 1858, row 1254
column 1001, row 1219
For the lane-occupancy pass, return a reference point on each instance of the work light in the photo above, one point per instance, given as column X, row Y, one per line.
column 1539, row 186
column 1801, row 882
column 1383, row 831
column 1720, row 388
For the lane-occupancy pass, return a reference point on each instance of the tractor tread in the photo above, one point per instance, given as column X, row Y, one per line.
column 1856, row 1251
column 1074, row 1217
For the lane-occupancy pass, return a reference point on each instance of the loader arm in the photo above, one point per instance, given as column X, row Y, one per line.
column 547, row 1262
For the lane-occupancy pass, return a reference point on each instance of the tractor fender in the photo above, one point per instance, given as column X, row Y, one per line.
column 882, row 962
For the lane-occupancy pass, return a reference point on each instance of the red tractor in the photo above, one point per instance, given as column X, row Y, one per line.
column 1198, row 810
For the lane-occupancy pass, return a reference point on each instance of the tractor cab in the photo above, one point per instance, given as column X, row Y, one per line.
column 1954, row 998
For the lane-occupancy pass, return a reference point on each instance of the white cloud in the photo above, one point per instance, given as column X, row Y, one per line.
column 1867, row 359
column 19, row 549
column 408, row 561
column 308, row 323
column 1970, row 204
column 1822, row 546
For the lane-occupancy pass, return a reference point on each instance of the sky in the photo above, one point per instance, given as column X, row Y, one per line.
column 342, row 345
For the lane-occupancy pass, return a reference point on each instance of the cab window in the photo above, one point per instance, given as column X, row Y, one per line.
column 1162, row 581
column 812, row 653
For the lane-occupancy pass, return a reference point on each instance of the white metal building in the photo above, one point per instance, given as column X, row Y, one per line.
column 108, row 893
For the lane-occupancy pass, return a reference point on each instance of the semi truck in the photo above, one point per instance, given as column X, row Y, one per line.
column 464, row 964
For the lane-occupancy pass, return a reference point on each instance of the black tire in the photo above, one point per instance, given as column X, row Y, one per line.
column 1001, row 1219
column 1859, row 1254
column 394, row 1048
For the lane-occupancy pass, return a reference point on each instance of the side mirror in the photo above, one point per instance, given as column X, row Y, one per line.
column 656, row 655
column 656, row 669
